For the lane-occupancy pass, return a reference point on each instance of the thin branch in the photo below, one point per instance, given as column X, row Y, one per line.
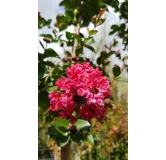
column 77, row 31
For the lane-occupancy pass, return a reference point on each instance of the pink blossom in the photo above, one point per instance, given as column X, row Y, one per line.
column 84, row 88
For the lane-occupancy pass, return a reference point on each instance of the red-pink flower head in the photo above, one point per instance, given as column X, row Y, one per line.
column 84, row 90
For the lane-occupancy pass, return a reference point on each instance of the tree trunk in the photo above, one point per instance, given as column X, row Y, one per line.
column 65, row 152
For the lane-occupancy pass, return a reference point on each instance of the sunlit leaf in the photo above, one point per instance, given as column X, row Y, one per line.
column 51, row 89
column 92, row 32
column 61, row 122
column 90, row 41
column 80, row 124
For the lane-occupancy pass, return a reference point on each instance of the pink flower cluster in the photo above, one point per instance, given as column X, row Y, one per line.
column 83, row 92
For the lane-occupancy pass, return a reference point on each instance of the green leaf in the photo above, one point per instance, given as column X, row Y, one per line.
column 103, row 53
column 69, row 15
column 115, row 27
column 92, row 32
column 112, row 32
column 93, row 20
column 61, row 18
column 100, row 60
column 88, row 30
column 80, row 124
column 90, row 139
column 111, row 53
column 48, row 63
column 54, row 41
column 63, row 140
column 51, row 89
column 57, row 72
column 61, row 25
column 62, row 44
column 40, row 71
column 57, row 131
column 69, row 35
column 43, row 99
column 116, row 70
column 67, row 53
column 52, row 131
column 90, row 48
column 42, row 45
column 47, row 36
column 50, row 53
column 59, row 138
column 76, row 137
column 60, row 36
column 62, row 131
column 115, row 43
column 103, row 57
column 100, row 21
column 90, row 41
column 63, row 3
column 61, row 122
column 42, row 22
column 49, row 21
column 100, row 3
column 77, row 37
column 107, row 63
column 81, row 35
column 81, row 60
column 122, row 26
column 40, row 57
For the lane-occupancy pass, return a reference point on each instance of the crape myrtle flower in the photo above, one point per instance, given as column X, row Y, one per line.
column 84, row 91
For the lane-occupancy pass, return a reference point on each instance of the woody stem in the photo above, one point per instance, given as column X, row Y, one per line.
column 77, row 31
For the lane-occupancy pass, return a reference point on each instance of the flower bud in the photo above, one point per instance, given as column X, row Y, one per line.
column 47, row 40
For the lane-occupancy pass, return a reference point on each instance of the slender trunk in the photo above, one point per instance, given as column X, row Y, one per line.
column 66, row 152
column 77, row 31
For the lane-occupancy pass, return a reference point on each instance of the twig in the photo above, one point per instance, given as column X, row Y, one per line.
column 77, row 31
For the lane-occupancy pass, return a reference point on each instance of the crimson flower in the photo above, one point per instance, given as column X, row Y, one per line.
column 83, row 93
